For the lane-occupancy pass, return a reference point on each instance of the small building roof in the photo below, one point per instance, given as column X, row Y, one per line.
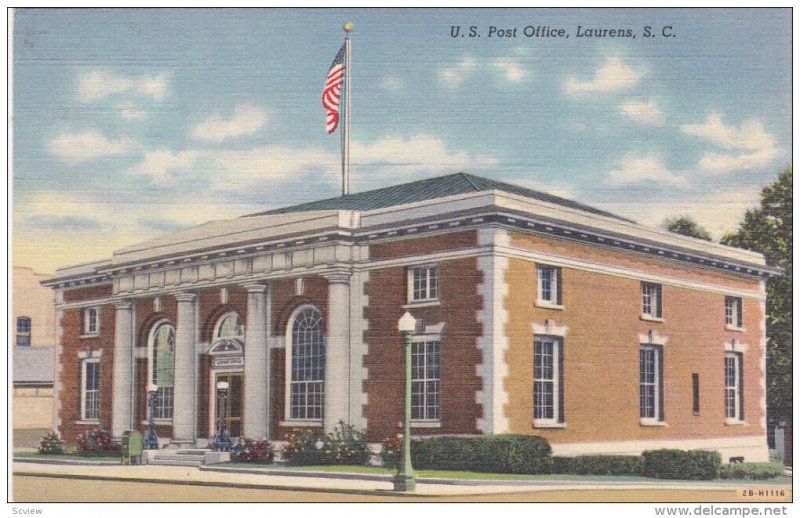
column 429, row 189
column 34, row 365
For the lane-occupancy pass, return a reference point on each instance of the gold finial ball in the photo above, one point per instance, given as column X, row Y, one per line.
column 347, row 27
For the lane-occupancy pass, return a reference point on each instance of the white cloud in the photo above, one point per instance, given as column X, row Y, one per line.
column 615, row 75
column 511, row 69
column 757, row 145
column 420, row 153
column 130, row 111
column 647, row 113
column 391, row 82
column 453, row 76
column 79, row 147
column 246, row 119
column 97, row 84
column 159, row 164
column 648, row 168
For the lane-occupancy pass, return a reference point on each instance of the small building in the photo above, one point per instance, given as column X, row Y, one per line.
column 535, row 315
column 33, row 334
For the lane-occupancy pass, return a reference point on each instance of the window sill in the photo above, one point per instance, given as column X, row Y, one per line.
column 735, row 422
column 158, row 422
column 88, row 421
column 548, row 305
column 649, row 318
column 91, row 335
column 426, row 424
column 548, row 424
column 300, row 422
column 652, row 422
column 734, row 328
column 421, row 304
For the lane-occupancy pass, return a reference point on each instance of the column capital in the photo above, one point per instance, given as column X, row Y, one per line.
column 185, row 297
column 122, row 305
column 338, row 277
column 255, row 288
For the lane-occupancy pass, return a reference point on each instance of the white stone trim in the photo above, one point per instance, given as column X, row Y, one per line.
column 549, row 328
column 653, row 338
column 493, row 343
column 735, row 346
column 85, row 304
column 87, row 354
column 426, row 424
column 359, row 349
column 753, row 448
column 300, row 422
column 58, row 385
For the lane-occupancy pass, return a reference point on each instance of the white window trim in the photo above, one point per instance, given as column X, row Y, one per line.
column 553, row 422
column 737, row 404
column 548, row 303
column 288, row 420
column 433, row 333
column 150, row 345
column 412, row 302
column 738, row 315
column 658, row 403
column 85, row 333
column 84, row 363
column 219, row 322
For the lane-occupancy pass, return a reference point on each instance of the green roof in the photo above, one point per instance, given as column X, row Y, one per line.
column 428, row 189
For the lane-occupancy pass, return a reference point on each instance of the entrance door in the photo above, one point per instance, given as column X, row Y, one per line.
column 233, row 404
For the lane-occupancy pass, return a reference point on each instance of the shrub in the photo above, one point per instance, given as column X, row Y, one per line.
column 598, row 465
column 51, row 444
column 680, row 464
column 250, row 450
column 750, row 470
column 97, row 442
column 492, row 454
column 391, row 450
column 344, row 446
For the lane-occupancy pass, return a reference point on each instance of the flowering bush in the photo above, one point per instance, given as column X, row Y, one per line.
column 392, row 450
column 249, row 450
column 344, row 446
column 51, row 444
column 97, row 442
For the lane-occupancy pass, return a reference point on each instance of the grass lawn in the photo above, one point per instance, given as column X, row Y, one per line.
column 494, row 476
column 65, row 456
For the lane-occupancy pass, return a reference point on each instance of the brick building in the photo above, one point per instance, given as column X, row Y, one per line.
column 536, row 315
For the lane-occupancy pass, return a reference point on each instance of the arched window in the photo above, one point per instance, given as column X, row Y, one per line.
column 229, row 326
column 162, row 368
column 307, row 366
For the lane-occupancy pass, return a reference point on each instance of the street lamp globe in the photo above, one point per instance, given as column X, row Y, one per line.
column 407, row 323
column 222, row 385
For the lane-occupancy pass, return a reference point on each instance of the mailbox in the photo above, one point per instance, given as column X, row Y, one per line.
column 132, row 446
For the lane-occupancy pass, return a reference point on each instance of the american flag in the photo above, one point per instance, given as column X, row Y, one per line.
column 332, row 91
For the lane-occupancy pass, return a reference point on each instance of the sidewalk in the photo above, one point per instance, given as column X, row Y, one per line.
column 328, row 482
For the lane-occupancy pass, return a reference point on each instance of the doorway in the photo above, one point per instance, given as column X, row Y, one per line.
column 233, row 405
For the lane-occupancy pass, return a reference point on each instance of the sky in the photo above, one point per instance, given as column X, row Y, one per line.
column 128, row 124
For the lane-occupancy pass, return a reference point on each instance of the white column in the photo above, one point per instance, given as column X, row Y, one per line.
column 337, row 354
column 122, row 397
column 184, row 419
column 256, row 363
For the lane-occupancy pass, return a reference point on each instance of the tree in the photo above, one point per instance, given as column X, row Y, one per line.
column 686, row 226
column 768, row 229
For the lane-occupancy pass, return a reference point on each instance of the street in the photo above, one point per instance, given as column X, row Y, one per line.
column 35, row 488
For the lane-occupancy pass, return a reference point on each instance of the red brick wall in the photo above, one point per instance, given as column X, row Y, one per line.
column 459, row 303
column 88, row 293
column 424, row 245
column 70, row 377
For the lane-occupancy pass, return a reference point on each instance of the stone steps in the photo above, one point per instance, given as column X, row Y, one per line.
column 188, row 457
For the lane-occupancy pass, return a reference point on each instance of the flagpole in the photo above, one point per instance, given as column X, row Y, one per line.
column 346, row 133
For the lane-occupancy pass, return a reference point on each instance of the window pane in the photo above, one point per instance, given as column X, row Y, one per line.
column 308, row 365
column 425, row 373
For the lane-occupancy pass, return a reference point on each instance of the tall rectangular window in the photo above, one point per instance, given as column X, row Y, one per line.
column 651, row 370
column 23, row 331
column 424, row 283
column 651, row 300
column 547, row 385
column 91, row 321
column 695, row 393
column 549, row 292
column 733, row 312
column 426, row 368
column 90, row 389
column 734, row 400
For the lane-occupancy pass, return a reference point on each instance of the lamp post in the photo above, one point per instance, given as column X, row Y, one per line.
column 404, row 480
column 151, row 439
column 222, row 441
